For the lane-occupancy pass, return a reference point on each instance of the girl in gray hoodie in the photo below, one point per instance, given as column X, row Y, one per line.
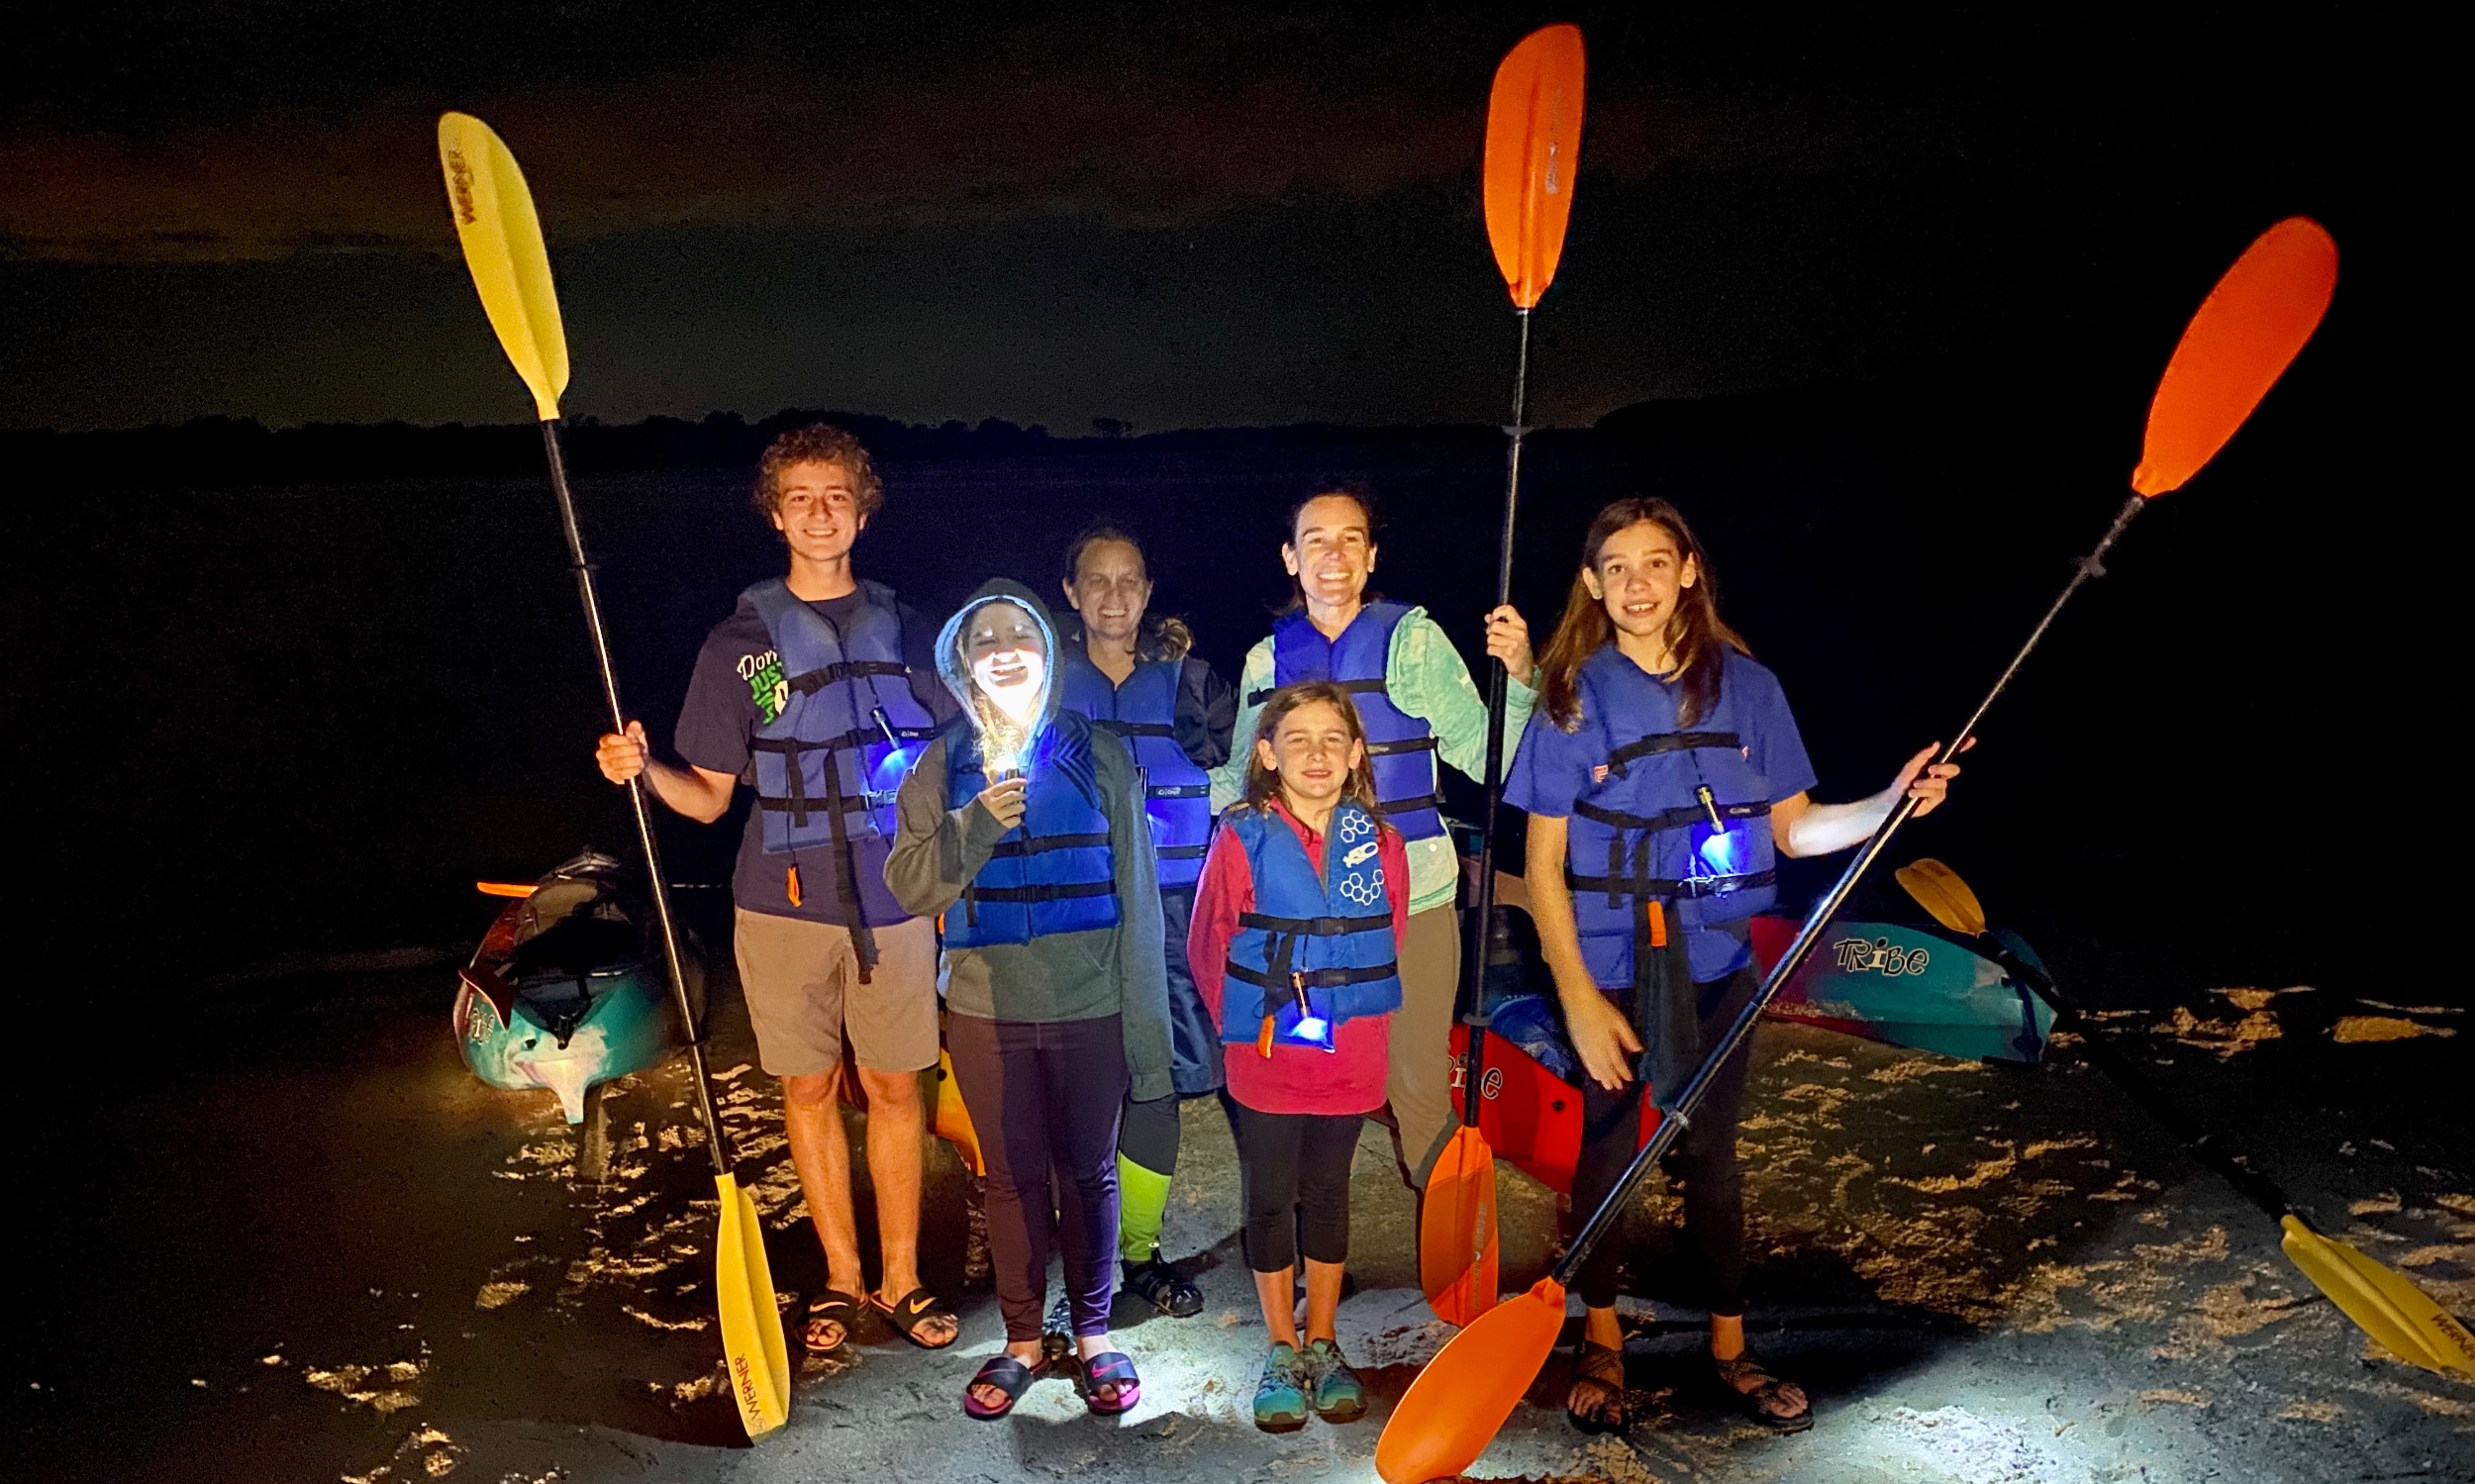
column 1023, row 827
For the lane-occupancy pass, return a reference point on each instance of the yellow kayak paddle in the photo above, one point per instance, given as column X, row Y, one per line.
column 502, row 240
column 2389, row 1307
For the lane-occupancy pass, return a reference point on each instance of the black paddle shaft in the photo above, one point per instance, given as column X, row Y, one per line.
column 716, row 1141
column 1679, row 1116
column 2256, row 1187
column 1474, row 1003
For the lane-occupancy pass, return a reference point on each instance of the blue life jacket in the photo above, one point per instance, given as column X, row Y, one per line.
column 1681, row 817
column 1054, row 872
column 1330, row 937
column 845, row 727
column 1143, row 713
column 1401, row 747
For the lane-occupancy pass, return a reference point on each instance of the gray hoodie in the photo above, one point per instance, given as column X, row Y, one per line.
column 939, row 847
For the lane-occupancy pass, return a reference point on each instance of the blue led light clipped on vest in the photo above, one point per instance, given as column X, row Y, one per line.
column 1311, row 1028
column 1719, row 852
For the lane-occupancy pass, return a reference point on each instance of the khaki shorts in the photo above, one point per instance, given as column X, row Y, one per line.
column 802, row 982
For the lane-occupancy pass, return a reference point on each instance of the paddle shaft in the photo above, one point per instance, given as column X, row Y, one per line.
column 1474, row 1013
column 1679, row 1117
column 717, row 1142
column 2259, row 1189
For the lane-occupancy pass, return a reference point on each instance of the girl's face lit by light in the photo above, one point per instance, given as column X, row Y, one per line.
column 1008, row 659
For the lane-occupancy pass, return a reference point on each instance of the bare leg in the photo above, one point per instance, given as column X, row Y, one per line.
column 1278, row 1294
column 812, row 1118
column 1323, row 1298
column 897, row 1124
column 1599, row 1327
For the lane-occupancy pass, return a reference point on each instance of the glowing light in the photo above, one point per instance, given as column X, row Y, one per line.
column 1313, row 1027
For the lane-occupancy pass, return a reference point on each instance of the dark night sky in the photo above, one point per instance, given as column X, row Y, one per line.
column 1060, row 213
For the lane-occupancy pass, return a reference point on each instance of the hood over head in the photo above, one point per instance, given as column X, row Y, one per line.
column 952, row 668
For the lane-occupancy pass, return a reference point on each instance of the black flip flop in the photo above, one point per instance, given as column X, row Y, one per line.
column 1008, row 1375
column 832, row 1307
column 913, row 1309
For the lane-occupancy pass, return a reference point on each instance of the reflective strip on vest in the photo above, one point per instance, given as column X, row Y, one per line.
column 1329, row 937
column 1401, row 747
column 844, row 726
column 1143, row 713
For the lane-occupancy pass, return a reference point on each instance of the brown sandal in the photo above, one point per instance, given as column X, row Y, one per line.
column 1602, row 1366
column 1755, row 1401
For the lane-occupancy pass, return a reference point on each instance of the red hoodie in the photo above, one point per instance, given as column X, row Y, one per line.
column 1347, row 1079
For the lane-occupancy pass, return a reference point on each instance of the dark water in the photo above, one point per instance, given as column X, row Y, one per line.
column 252, row 727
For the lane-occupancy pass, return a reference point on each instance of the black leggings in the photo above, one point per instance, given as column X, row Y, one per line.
column 1293, row 1175
column 1703, row 1161
column 1043, row 1097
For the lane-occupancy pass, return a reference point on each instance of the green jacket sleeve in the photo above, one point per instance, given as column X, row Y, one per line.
column 1255, row 679
column 1141, row 966
column 1427, row 678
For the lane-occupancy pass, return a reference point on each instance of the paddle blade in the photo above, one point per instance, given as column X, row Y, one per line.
column 1456, row 1230
column 954, row 1121
column 1944, row 897
column 502, row 241
column 1534, row 145
column 2402, row 1317
column 2248, row 329
column 1459, row 1402
column 752, row 1347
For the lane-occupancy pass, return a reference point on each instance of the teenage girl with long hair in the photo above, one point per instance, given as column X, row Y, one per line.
column 1295, row 947
column 1663, row 776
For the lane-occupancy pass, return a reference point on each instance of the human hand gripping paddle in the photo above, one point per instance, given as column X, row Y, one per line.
column 2245, row 333
column 1533, row 141
column 502, row 241
column 2383, row 1302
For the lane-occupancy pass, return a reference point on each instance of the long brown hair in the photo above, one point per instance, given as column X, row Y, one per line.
column 1263, row 784
column 1695, row 630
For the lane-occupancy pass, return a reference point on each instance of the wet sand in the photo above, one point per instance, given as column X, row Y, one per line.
column 299, row 1242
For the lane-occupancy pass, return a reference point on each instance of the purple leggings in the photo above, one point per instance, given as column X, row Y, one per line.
column 1043, row 1097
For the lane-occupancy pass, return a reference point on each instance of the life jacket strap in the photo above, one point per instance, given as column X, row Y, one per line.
column 1353, row 687
column 1671, row 819
column 1427, row 743
column 1052, row 892
column 1182, row 852
column 1413, row 806
column 1138, row 728
column 857, row 736
column 1317, row 927
column 1312, row 978
column 1668, row 742
column 1620, row 886
column 1179, row 790
column 1034, row 845
column 848, row 669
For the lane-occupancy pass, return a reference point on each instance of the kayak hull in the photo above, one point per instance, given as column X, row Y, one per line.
column 629, row 1027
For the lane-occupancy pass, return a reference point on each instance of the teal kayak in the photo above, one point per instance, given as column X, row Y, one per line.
column 567, row 989
column 1910, row 986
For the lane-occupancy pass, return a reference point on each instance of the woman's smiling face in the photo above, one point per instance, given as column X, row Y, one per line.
column 1008, row 657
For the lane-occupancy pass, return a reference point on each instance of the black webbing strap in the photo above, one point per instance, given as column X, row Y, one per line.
column 816, row 680
column 1034, row 845
column 1353, row 687
column 800, row 806
column 1619, row 884
column 1315, row 926
column 1052, row 893
column 847, row 879
column 1412, row 806
column 1669, row 819
column 1427, row 743
column 1312, row 978
column 1138, row 728
column 1182, row 852
column 1667, row 741
column 857, row 736
column 1179, row 790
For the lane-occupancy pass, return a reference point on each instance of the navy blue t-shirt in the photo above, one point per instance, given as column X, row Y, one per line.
column 1552, row 768
column 720, row 718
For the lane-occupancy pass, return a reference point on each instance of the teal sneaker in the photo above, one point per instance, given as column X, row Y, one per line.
column 1280, row 1397
column 1337, row 1395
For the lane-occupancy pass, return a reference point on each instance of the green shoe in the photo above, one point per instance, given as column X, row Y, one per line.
column 1337, row 1395
column 1280, row 1397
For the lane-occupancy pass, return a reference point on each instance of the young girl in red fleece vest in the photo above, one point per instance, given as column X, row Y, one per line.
column 1297, row 924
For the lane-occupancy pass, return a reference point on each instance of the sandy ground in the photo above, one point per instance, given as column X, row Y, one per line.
column 334, row 1257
